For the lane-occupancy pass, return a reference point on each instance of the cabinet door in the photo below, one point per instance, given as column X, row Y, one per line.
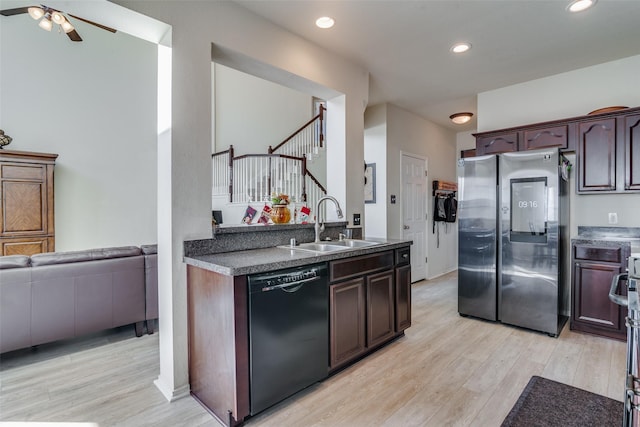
column 591, row 304
column 24, row 199
column 403, row 297
column 596, row 153
column 380, row 308
column 632, row 152
column 497, row 144
column 347, row 325
column 545, row 138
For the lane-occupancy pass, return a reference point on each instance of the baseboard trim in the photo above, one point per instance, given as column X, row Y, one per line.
column 443, row 273
column 170, row 393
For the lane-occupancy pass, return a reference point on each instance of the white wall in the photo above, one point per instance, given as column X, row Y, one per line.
column 252, row 112
column 568, row 95
column 198, row 29
column 409, row 133
column 375, row 151
column 94, row 104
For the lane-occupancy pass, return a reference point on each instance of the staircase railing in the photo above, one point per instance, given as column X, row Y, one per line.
column 254, row 177
column 308, row 139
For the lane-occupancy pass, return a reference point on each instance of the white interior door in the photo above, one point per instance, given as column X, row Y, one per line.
column 414, row 210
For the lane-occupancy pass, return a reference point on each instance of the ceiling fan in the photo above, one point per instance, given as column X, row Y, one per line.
column 49, row 16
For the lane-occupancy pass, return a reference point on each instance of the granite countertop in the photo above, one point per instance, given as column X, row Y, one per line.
column 268, row 259
column 609, row 235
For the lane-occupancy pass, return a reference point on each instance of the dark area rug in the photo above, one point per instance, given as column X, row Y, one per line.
column 545, row 402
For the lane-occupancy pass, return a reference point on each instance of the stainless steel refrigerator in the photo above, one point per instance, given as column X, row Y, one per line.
column 513, row 217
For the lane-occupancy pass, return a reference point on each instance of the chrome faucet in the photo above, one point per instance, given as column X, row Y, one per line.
column 318, row 228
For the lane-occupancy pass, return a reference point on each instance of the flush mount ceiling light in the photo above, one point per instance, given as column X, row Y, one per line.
column 325, row 22
column 461, row 118
column 460, row 47
column 580, row 5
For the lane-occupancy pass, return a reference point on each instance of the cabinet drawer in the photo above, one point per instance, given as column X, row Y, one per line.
column 34, row 172
column 599, row 253
column 403, row 256
column 360, row 265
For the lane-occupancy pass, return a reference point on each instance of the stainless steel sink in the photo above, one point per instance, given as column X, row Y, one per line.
column 332, row 246
column 352, row 243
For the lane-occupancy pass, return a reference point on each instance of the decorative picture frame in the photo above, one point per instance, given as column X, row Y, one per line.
column 370, row 183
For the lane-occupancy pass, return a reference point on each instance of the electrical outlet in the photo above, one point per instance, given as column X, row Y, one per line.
column 356, row 219
column 613, row 217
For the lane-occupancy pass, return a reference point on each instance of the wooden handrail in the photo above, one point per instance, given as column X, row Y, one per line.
column 320, row 116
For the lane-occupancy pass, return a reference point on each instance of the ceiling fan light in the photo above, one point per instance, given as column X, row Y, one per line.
column 45, row 23
column 461, row 118
column 67, row 27
column 58, row 18
column 35, row 12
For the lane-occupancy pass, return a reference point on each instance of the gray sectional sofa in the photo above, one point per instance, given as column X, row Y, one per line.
column 58, row 295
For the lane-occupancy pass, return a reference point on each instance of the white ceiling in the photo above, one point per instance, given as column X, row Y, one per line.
column 405, row 44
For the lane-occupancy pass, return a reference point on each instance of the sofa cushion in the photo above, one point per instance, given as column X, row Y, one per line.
column 149, row 249
column 13, row 261
column 51, row 258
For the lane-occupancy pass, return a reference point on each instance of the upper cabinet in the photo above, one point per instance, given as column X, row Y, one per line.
column 495, row 144
column 631, row 128
column 597, row 155
column 607, row 147
column 555, row 136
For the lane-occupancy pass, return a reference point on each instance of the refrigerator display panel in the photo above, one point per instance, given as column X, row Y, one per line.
column 529, row 210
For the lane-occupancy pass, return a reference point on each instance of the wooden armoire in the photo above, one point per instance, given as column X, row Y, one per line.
column 26, row 210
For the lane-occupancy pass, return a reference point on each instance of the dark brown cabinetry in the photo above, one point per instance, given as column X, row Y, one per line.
column 347, row 321
column 370, row 303
column 597, row 155
column 526, row 138
column 26, row 207
column 632, row 152
column 594, row 267
column 403, row 297
column 380, row 308
column 555, row 136
column 607, row 147
column 495, row 144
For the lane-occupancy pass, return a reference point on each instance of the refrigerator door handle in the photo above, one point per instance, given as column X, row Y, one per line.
column 613, row 296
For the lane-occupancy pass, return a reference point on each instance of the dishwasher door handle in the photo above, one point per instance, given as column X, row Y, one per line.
column 285, row 286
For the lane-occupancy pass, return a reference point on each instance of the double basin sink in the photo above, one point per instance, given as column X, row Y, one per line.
column 330, row 246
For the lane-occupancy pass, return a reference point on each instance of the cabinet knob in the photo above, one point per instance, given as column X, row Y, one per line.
column 406, row 227
column 405, row 255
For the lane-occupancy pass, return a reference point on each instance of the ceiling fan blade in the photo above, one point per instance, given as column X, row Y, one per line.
column 104, row 27
column 74, row 36
column 16, row 11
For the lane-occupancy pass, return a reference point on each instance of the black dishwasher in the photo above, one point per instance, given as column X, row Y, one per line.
column 288, row 332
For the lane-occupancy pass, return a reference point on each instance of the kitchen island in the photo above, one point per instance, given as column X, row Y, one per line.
column 369, row 304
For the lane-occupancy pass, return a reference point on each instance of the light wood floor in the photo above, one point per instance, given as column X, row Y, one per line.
column 447, row 370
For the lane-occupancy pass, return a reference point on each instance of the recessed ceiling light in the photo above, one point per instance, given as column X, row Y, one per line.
column 580, row 5
column 461, row 118
column 325, row 22
column 460, row 47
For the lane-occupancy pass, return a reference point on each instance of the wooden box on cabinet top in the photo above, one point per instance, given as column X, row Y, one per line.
column 26, row 203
